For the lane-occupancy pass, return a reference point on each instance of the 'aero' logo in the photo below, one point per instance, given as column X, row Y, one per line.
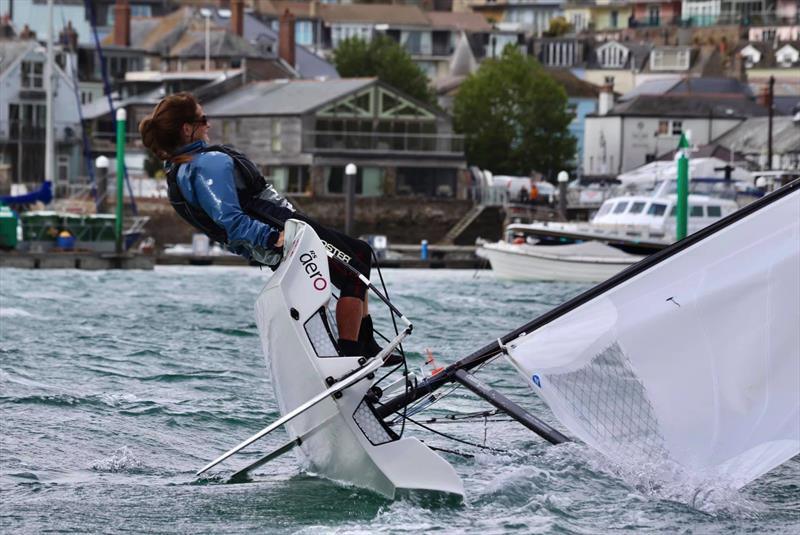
column 312, row 270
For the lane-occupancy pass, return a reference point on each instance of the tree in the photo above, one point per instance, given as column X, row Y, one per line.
column 558, row 26
column 514, row 117
column 384, row 58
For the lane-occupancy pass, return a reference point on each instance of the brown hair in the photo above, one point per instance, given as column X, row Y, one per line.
column 161, row 130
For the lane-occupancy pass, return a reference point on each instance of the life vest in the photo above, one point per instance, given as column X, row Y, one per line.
column 251, row 185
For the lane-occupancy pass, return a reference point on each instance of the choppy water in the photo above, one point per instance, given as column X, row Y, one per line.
column 116, row 386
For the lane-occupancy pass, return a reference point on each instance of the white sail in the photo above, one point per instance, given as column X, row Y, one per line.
column 693, row 360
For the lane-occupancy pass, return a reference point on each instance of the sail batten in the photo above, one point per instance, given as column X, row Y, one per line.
column 694, row 357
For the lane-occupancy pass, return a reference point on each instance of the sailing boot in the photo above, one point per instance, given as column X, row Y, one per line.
column 366, row 338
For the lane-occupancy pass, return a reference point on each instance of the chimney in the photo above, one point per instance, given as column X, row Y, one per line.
column 237, row 17
column 286, row 38
column 27, row 33
column 606, row 99
column 69, row 37
column 122, row 23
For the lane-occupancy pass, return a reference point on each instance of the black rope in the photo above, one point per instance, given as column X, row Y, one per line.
column 450, row 437
column 454, row 452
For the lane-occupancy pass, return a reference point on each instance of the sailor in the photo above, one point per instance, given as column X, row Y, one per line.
column 221, row 192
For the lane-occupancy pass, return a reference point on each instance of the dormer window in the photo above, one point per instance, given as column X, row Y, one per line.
column 787, row 55
column 670, row 59
column 750, row 55
column 560, row 53
column 32, row 74
column 612, row 56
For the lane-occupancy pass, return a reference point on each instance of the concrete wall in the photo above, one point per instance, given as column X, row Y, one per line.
column 403, row 220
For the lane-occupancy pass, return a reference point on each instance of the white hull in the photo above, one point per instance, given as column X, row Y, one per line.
column 574, row 263
column 301, row 356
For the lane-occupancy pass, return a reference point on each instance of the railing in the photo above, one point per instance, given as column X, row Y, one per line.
column 766, row 18
column 444, row 144
column 21, row 131
column 653, row 22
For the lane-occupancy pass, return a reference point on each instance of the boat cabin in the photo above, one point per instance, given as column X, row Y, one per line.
column 656, row 215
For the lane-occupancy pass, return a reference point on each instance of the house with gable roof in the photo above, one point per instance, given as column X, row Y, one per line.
column 621, row 60
column 649, row 120
column 23, row 115
column 302, row 134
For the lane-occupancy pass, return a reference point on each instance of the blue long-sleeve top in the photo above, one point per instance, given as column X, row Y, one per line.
column 208, row 182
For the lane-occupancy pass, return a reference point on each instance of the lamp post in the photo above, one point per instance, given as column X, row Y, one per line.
column 121, row 122
column 101, row 164
column 350, row 171
column 563, row 178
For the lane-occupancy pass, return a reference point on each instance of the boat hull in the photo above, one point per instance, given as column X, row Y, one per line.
column 341, row 438
column 554, row 263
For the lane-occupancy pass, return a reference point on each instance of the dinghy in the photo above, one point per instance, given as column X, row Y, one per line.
column 689, row 359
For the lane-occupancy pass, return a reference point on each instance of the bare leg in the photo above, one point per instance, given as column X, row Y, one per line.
column 349, row 311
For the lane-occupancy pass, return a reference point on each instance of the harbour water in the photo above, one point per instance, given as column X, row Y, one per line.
column 116, row 386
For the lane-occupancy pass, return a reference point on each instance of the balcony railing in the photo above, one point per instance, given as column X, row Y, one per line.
column 379, row 142
column 24, row 132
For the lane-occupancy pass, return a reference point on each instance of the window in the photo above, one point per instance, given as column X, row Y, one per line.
column 606, row 208
column 714, row 211
column 637, row 207
column 303, row 32
column 620, row 207
column 669, row 128
column 670, row 59
column 696, row 211
column 614, row 19
column 32, row 74
column 657, row 209
column 276, row 135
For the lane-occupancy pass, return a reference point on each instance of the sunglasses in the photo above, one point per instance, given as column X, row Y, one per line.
column 201, row 120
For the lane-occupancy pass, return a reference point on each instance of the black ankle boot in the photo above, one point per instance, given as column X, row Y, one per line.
column 349, row 348
column 366, row 338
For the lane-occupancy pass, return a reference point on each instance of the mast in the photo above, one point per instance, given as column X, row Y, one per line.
column 49, row 145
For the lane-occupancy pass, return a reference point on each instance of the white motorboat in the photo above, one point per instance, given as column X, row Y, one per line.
column 580, row 262
column 636, row 223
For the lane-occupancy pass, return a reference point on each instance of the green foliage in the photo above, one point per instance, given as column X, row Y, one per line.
column 153, row 166
column 514, row 117
column 384, row 58
column 558, row 26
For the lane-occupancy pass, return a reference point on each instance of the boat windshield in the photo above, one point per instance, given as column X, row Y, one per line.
column 657, row 209
column 606, row 208
column 637, row 207
column 621, row 207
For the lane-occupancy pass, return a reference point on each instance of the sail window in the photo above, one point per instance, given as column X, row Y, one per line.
column 657, row 209
column 637, row 207
column 696, row 211
column 620, row 207
column 714, row 211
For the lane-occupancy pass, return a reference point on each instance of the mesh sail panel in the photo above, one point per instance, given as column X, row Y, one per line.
column 610, row 401
column 369, row 424
column 321, row 335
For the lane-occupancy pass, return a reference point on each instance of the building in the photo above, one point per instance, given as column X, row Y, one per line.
column 598, row 15
column 429, row 37
column 582, row 101
column 23, row 115
column 530, row 16
column 751, row 138
column 655, row 13
column 302, row 133
column 650, row 120
column 620, row 60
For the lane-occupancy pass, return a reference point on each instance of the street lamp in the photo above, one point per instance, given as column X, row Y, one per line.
column 563, row 178
column 350, row 171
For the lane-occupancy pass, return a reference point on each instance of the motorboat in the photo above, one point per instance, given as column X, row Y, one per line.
column 579, row 262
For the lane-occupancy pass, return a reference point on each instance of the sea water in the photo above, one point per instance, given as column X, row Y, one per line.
column 116, row 386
